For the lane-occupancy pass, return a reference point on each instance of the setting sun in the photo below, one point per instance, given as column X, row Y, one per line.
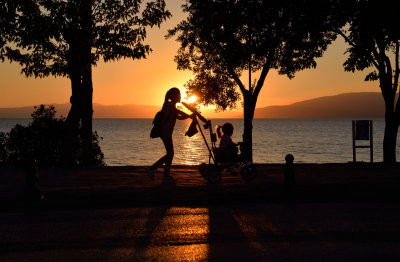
column 192, row 99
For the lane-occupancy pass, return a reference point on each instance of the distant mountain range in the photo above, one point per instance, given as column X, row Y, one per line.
column 349, row 105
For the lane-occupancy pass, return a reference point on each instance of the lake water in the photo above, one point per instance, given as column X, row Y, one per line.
column 127, row 141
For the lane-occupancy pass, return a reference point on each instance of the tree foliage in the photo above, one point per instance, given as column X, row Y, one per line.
column 48, row 31
column 222, row 39
column 8, row 15
column 373, row 36
column 374, row 39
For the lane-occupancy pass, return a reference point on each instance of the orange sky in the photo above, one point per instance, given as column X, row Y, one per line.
column 146, row 81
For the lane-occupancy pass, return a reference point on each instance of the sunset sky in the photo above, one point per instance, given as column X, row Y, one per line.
column 144, row 82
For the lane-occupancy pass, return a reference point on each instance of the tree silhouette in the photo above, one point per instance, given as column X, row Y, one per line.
column 66, row 38
column 374, row 38
column 220, row 40
column 8, row 14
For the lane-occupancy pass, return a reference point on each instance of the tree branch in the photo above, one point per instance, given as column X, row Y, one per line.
column 388, row 68
column 396, row 79
column 381, row 55
column 385, row 81
column 264, row 74
column 397, row 72
column 346, row 38
column 374, row 57
column 237, row 80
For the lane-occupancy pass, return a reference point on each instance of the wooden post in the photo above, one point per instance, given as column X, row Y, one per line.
column 371, row 144
column 354, row 140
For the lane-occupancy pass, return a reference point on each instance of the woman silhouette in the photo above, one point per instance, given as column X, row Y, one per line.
column 170, row 114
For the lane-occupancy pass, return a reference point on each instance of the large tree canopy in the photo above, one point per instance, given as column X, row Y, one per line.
column 47, row 30
column 220, row 40
column 68, row 37
column 374, row 39
column 8, row 14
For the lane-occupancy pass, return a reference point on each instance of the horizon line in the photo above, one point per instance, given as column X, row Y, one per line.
column 204, row 107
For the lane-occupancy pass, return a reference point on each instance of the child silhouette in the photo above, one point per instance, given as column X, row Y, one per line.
column 169, row 116
column 227, row 150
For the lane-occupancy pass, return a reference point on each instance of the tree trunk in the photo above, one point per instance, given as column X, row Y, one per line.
column 248, row 114
column 87, row 115
column 391, row 120
column 80, row 73
column 390, row 138
column 69, row 140
column 87, row 86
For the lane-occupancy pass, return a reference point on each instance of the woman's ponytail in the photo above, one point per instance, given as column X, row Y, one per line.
column 171, row 93
column 166, row 100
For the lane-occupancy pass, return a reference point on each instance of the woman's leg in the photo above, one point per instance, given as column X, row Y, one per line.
column 169, row 146
column 167, row 159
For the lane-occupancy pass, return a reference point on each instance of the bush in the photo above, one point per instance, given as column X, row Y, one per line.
column 3, row 152
column 41, row 141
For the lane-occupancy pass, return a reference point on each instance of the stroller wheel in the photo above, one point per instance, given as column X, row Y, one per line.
column 248, row 171
column 203, row 169
column 214, row 174
column 211, row 173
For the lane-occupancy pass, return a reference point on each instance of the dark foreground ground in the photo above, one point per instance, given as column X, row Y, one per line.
column 130, row 186
column 337, row 212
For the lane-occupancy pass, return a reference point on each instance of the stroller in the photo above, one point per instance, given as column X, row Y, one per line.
column 212, row 172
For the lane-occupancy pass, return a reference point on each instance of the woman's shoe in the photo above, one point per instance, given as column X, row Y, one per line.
column 150, row 172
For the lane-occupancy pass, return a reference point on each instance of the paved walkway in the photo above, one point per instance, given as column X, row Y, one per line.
column 246, row 232
column 121, row 186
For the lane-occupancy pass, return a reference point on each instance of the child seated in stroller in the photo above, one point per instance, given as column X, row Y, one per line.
column 227, row 152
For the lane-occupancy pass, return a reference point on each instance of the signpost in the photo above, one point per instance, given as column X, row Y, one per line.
column 362, row 130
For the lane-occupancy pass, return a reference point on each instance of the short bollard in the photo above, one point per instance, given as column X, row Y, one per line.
column 31, row 191
column 289, row 172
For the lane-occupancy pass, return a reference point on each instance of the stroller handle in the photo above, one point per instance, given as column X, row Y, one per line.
column 194, row 111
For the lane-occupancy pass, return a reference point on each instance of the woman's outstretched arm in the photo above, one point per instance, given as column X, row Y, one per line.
column 182, row 115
